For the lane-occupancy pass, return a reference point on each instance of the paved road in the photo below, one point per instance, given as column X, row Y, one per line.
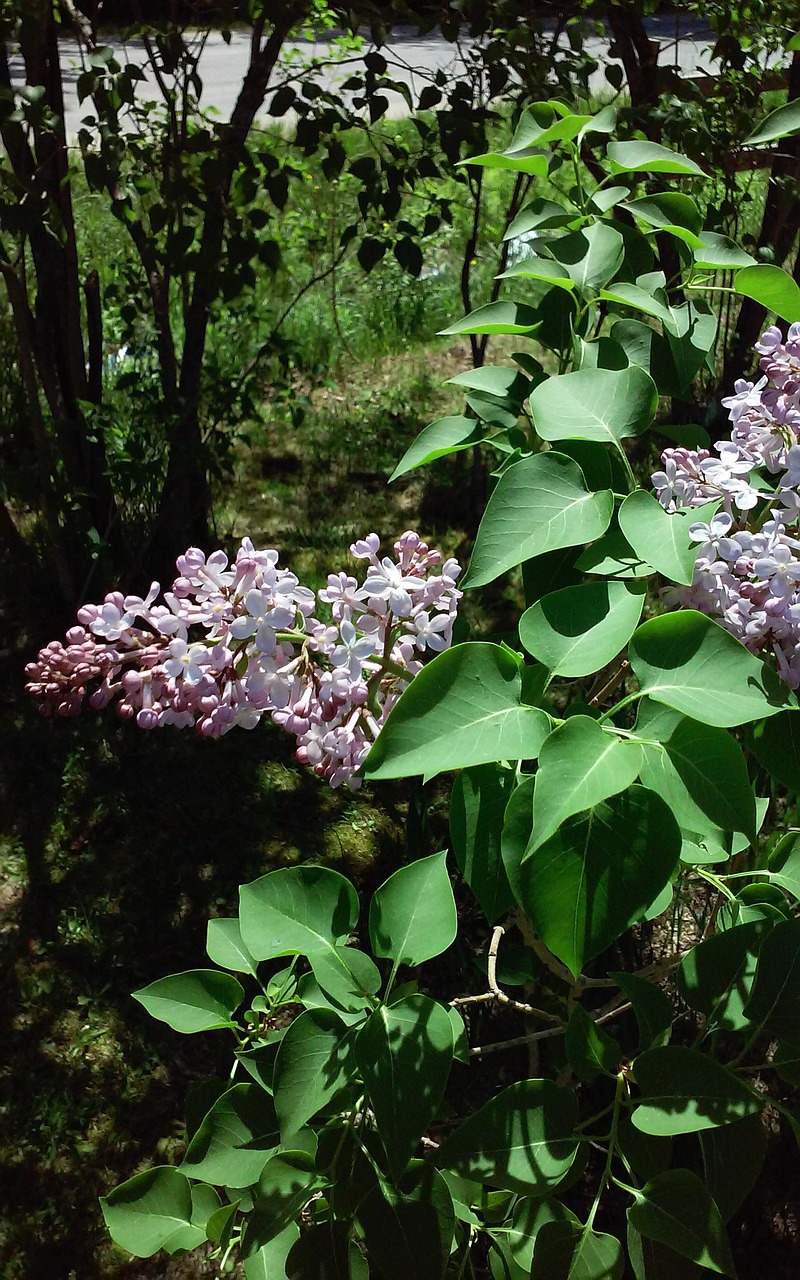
column 412, row 60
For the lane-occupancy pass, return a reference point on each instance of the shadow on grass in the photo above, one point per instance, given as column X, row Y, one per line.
column 118, row 846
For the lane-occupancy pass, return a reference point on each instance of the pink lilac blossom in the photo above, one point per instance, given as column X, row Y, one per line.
column 747, row 572
column 234, row 641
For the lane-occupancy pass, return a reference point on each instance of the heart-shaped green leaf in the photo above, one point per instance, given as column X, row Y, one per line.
column 539, row 504
column 464, row 708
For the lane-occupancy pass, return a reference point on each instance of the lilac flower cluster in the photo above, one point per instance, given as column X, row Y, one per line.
column 747, row 572
column 231, row 642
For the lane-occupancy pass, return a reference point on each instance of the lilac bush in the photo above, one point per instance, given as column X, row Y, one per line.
column 747, row 572
column 233, row 641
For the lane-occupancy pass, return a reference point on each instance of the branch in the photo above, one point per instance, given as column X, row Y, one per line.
column 495, row 993
column 482, row 1049
column 79, row 21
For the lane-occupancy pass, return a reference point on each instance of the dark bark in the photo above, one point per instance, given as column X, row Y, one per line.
column 186, row 500
column 52, row 326
column 94, row 328
column 639, row 57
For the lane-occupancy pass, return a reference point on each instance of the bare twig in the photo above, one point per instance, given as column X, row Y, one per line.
column 480, row 1050
column 495, row 992
column 610, row 685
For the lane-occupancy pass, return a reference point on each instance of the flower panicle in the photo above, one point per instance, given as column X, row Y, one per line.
column 233, row 641
column 747, row 571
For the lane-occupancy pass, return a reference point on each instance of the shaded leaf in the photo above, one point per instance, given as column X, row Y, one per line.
column 684, row 1091
column 521, row 1139
column 404, row 1053
column 477, row 805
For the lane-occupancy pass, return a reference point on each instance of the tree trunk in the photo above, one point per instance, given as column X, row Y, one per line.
column 186, row 500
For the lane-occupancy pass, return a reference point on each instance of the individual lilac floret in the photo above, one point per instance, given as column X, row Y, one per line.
column 235, row 642
column 747, row 571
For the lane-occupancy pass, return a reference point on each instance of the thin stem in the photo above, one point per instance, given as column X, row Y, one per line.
column 624, row 702
column 627, row 467
column 718, row 884
column 612, row 1144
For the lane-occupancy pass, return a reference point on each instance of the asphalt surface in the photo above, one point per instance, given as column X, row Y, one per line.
column 411, row 60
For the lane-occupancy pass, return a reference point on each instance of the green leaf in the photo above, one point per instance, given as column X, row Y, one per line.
column 675, row 1209
column 646, row 1155
column 225, row 947
column 633, row 295
column 297, row 910
column 653, row 1261
column 445, row 436
column 668, row 209
column 535, row 162
column 496, row 317
column 598, row 874
column 533, row 268
column 591, row 256
column 580, row 764
column 733, row 1158
column 285, row 1186
column 784, row 865
column 323, row 1252
column 662, row 539
column 699, row 770
column 460, row 1041
column 409, row 1232
column 578, row 630
column 495, row 380
column 689, row 342
column 689, row 662
column 198, row 1000
column 219, row 1226
column 347, row 976
column 599, row 353
column 567, row 1251
column 528, row 1217
column 412, row 916
column 545, row 122
column 268, row 1261
column 684, row 1091
column 517, row 831
column 613, row 556
column 477, row 804
column 607, row 405
column 716, row 976
column 651, row 1005
column 405, row 1053
column 314, row 1062
column 521, row 1139
column 464, row 708
column 720, row 253
column 773, row 287
column 590, row 1050
column 775, row 1001
column 776, row 745
column 539, row 504
column 781, row 123
column 152, row 1211
column 539, row 215
column 235, row 1139
column 649, row 157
